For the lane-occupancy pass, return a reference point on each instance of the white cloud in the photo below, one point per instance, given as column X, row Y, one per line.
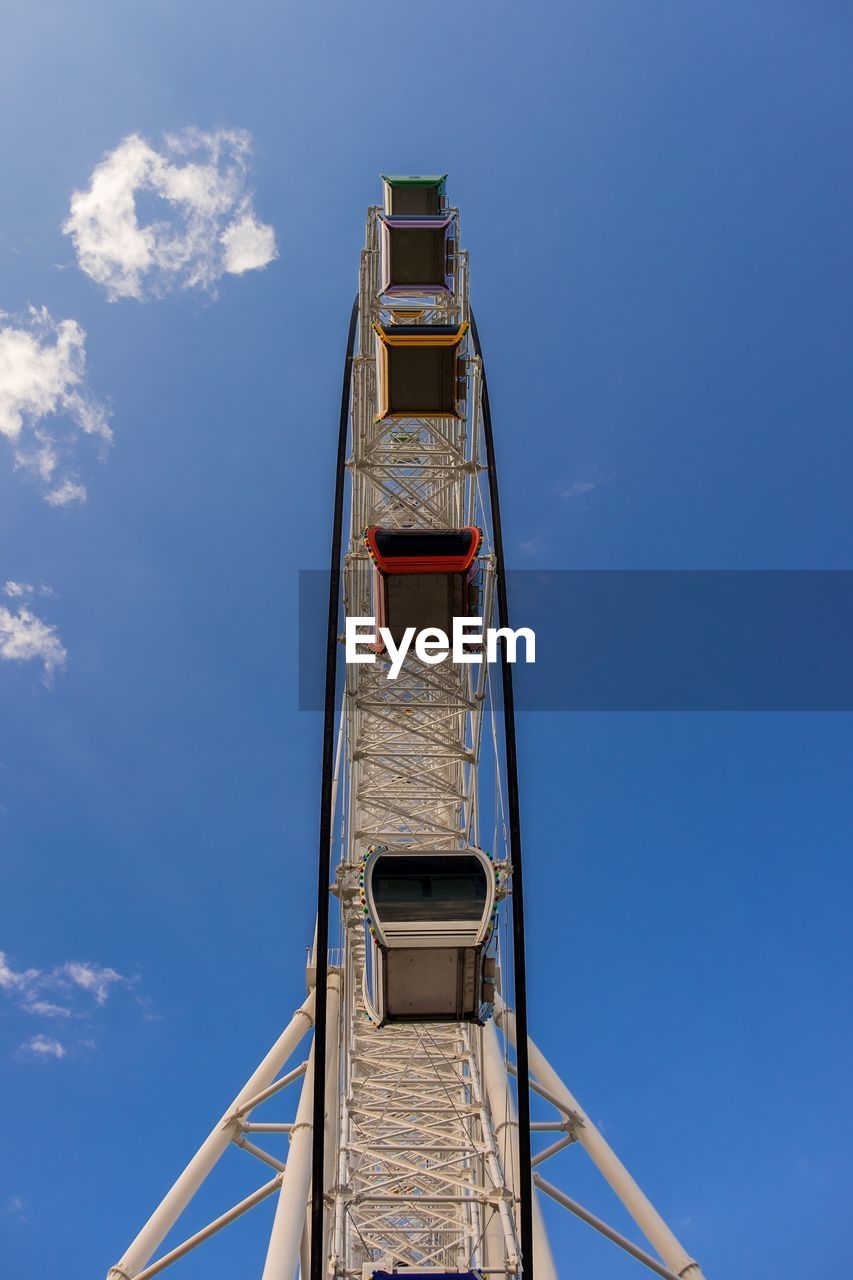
column 43, row 1047
column 45, row 405
column 67, row 978
column 67, row 492
column 28, row 984
column 578, row 488
column 14, row 980
column 24, row 637
column 13, row 1207
column 25, row 590
column 93, row 978
column 248, row 245
column 74, row 992
column 204, row 225
column 596, row 477
column 45, row 1009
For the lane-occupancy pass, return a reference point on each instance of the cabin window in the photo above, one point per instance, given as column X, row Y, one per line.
column 429, row 889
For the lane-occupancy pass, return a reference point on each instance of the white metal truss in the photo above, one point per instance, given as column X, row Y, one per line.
column 420, row 1177
column 420, row 1121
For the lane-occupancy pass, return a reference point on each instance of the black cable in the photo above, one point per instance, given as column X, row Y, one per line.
column 321, row 953
column 519, row 966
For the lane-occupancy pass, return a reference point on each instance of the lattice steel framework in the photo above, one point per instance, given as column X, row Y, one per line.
column 421, row 1180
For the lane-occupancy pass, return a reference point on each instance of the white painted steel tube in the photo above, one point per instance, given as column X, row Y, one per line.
column 605, row 1159
column 497, row 1174
column 289, row 1224
column 503, row 1111
column 609, row 1232
column 211, row 1229
column 332, row 1101
column 249, row 1104
column 175, row 1201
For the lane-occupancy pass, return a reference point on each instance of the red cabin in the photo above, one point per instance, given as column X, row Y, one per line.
column 423, row 577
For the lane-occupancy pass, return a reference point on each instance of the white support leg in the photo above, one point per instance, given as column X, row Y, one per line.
column 289, row 1224
column 333, row 1101
column 605, row 1159
column 175, row 1201
column 505, row 1125
column 305, row 1247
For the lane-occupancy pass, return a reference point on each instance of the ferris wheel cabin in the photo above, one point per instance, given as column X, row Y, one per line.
column 423, row 577
column 417, row 255
column 420, row 372
column 414, row 195
column 430, row 914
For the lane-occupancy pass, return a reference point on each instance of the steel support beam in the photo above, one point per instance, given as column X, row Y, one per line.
column 178, row 1197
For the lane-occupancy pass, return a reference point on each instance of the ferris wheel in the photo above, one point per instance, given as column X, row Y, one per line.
column 410, row 1149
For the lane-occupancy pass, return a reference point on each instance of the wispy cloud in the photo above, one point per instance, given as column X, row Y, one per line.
column 94, row 978
column 73, row 992
column 46, row 408
column 578, row 488
column 67, row 492
column 204, row 226
column 70, row 976
column 595, row 478
column 13, row 1207
column 46, row 1009
column 25, row 590
column 42, row 1048
column 24, row 637
column 15, row 980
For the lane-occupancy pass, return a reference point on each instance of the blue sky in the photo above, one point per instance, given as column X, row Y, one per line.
column 657, row 200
